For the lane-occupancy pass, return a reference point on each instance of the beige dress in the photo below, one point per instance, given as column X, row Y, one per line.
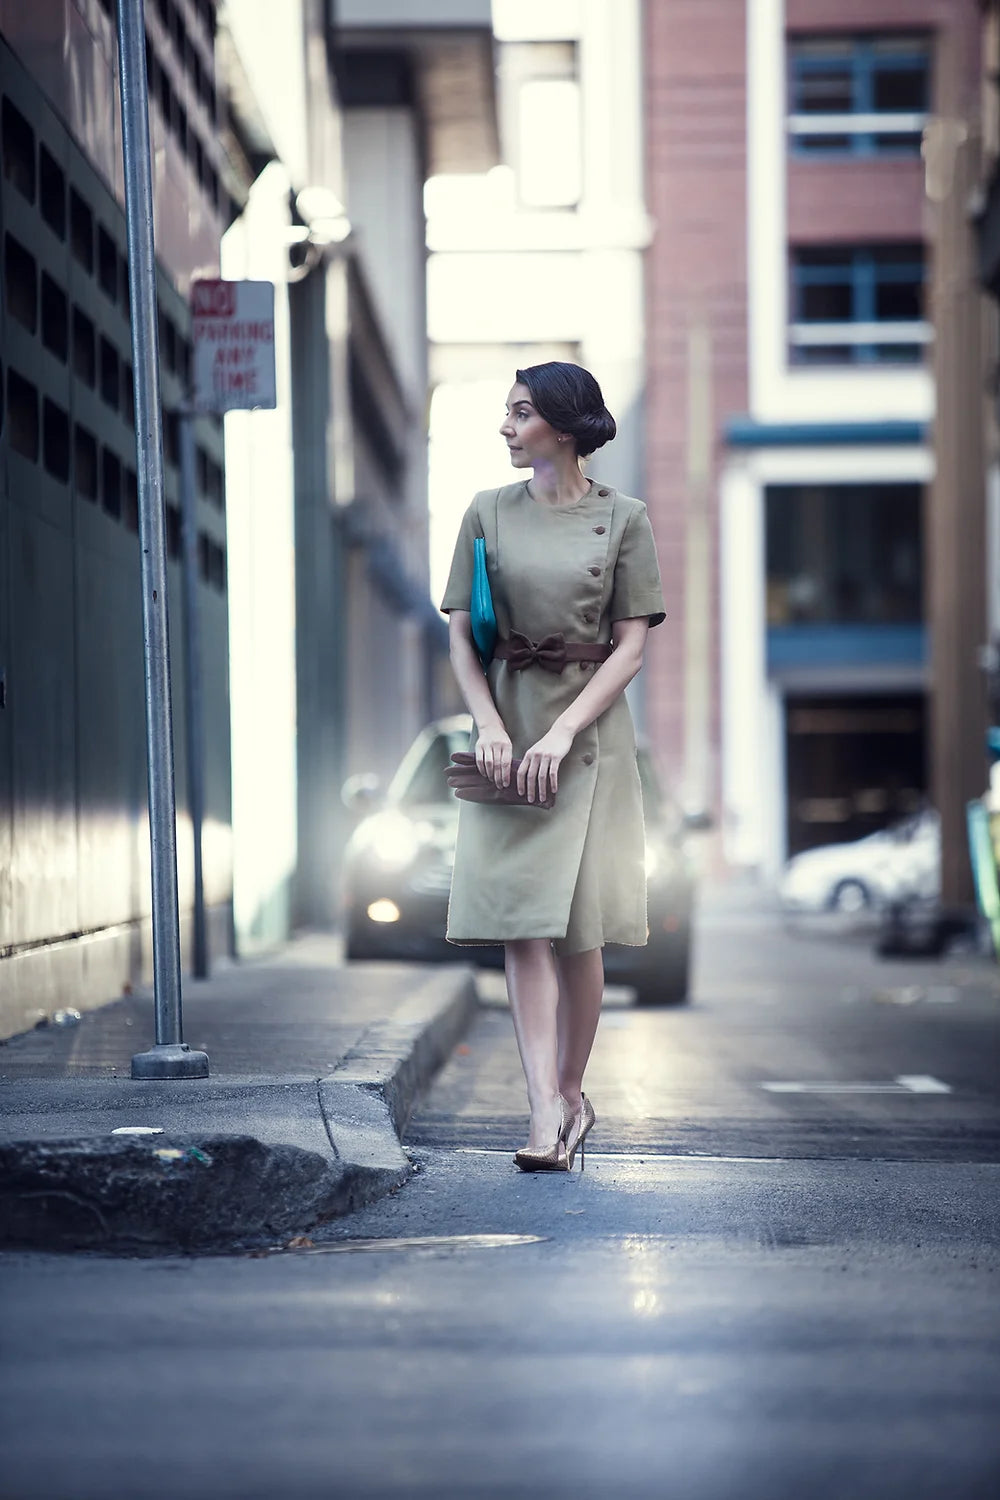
column 575, row 873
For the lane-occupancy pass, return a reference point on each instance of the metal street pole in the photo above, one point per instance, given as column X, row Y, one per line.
column 193, row 718
column 170, row 1057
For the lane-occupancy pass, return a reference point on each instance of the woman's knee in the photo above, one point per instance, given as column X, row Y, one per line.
column 586, row 959
column 524, row 951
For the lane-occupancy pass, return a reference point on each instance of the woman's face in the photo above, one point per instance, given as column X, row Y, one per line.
column 529, row 438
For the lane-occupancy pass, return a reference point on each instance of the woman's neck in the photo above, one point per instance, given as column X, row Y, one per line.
column 558, row 484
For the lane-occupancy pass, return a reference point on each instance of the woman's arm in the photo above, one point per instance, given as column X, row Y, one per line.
column 539, row 768
column 493, row 750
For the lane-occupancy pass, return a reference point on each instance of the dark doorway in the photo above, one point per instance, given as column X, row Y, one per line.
column 853, row 765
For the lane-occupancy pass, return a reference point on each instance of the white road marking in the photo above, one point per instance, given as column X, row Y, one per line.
column 923, row 1083
column 419, row 1242
column 638, row 1155
column 905, row 1083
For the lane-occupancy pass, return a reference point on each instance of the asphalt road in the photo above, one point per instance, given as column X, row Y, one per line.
column 751, row 1291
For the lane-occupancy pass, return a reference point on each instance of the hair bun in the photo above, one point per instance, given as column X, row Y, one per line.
column 594, row 429
column 570, row 400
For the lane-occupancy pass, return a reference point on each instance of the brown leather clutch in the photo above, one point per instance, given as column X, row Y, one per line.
column 470, row 785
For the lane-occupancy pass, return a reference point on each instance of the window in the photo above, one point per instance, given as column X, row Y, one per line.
column 858, row 305
column 152, row 69
column 166, row 98
column 111, row 482
column 172, row 518
column 107, row 263
column 128, row 395
column 22, row 416
column 216, row 487
column 844, row 554
column 55, row 440
column 85, row 463
column 81, row 231
column 541, row 114
column 171, row 438
column 52, row 192
column 20, row 283
column 211, row 562
column 206, row 15
column 109, row 374
column 55, row 318
column 858, row 96
column 18, row 151
column 130, row 514
column 84, row 348
column 125, row 293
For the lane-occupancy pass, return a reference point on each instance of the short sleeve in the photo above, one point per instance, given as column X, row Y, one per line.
column 637, row 589
column 458, row 590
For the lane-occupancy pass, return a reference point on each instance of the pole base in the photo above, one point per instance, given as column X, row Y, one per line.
column 170, row 1060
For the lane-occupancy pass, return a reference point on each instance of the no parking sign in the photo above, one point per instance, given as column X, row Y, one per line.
column 232, row 324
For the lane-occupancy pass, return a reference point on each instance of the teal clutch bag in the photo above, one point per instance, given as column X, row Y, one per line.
column 484, row 620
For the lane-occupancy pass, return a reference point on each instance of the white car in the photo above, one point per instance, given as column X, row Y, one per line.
column 900, row 863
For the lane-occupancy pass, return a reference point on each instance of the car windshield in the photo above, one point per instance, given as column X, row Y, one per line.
column 420, row 780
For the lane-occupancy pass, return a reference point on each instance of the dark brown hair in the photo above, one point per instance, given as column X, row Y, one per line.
column 570, row 400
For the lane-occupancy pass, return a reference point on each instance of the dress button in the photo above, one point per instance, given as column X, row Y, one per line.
column 596, row 572
column 588, row 618
column 587, row 759
column 584, row 665
column 603, row 493
column 599, row 530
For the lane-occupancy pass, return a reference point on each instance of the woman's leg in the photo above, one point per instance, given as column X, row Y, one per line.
column 533, row 989
column 581, row 989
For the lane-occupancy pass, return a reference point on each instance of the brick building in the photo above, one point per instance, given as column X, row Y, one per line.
column 790, row 405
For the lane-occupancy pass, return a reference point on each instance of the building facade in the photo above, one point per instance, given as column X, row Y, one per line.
column 74, row 845
column 792, row 405
column 541, row 258
column 289, row 144
column 330, row 609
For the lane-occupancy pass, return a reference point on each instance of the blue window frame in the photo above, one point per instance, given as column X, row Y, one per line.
column 844, row 555
column 858, row 304
column 858, row 96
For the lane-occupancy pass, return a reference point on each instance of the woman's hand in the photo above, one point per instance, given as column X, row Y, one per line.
column 494, row 753
column 538, row 775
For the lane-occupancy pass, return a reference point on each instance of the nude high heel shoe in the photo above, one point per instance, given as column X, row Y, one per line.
column 548, row 1160
column 574, row 1142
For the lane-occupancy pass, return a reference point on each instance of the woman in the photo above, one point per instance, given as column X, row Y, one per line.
column 565, row 557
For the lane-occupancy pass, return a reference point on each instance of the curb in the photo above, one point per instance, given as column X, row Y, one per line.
column 367, row 1100
column 213, row 1191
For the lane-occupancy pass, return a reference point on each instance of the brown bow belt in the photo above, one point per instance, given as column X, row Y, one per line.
column 552, row 652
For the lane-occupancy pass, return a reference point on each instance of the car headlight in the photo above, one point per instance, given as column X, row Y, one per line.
column 393, row 840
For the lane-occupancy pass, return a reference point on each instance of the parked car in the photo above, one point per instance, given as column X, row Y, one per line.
column 399, row 860
column 898, row 864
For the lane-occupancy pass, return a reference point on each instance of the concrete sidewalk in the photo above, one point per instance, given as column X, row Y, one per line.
column 314, row 1069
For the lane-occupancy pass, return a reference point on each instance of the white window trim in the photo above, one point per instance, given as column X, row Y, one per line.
column 856, row 124
column 804, row 334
